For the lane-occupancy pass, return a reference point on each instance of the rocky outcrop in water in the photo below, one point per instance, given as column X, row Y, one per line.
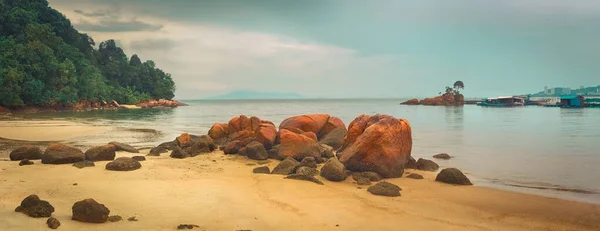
column 164, row 103
column 379, row 143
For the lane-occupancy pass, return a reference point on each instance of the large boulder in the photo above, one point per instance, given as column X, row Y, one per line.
column 334, row 170
column 335, row 138
column 256, row 151
column 379, row 143
column 427, row 165
column 293, row 144
column 200, row 144
column 233, row 147
column 219, row 132
column 286, row 167
column 62, row 154
column 90, row 211
column 34, row 207
column 123, row 164
column 319, row 124
column 266, row 135
column 453, row 176
column 100, row 153
column 26, row 152
column 124, row 147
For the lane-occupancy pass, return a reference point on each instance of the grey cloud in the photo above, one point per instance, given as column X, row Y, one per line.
column 112, row 25
column 153, row 44
column 99, row 13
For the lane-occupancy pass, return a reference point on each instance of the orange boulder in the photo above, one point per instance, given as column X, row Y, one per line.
column 320, row 124
column 379, row 143
column 292, row 144
column 218, row 131
column 266, row 135
column 184, row 140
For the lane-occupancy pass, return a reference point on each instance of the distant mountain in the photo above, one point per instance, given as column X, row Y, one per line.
column 249, row 94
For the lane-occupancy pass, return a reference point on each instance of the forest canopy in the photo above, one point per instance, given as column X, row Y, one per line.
column 45, row 61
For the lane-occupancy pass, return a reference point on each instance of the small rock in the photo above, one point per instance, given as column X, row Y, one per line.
column 233, row 147
column 25, row 162
column 309, row 161
column 453, row 176
column 34, row 207
column 444, row 156
column 90, row 211
column 156, row 151
column 132, row 219
column 304, row 177
column 363, row 181
column 303, row 170
column 334, row 170
column 187, row 226
column 138, row 158
column 427, row 165
column 275, row 154
column 385, row 189
column 115, row 218
column 415, row 176
column 83, row 164
column 179, row 153
column 372, row 176
column 411, row 163
column 262, row 170
column 26, row 152
column 256, row 151
column 286, row 167
column 53, row 223
column 124, row 147
column 123, row 164
column 75, row 184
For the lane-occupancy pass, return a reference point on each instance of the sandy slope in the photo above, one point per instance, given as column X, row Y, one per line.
column 219, row 192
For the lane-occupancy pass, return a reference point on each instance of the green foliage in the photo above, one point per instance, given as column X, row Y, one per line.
column 44, row 61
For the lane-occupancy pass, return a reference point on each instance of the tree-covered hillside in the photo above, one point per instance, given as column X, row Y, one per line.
column 44, row 61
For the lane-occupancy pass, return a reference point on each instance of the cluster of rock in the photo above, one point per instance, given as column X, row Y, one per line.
column 447, row 99
column 57, row 153
column 87, row 210
column 95, row 105
column 85, row 105
column 164, row 103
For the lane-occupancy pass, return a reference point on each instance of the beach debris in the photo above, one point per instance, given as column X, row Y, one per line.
column 115, row 218
column 53, row 223
column 335, row 138
column 25, row 162
column 123, row 164
column 179, row 153
column 453, row 176
column 303, row 170
column 427, row 165
column 26, row 152
column 83, row 164
column 444, row 156
column 286, row 167
column 138, row 158
column 371, row 176
column 274, row 153
column 233, row 147
column 101, row 153
column 411, row 163
column 334, row 170
column 187, row 226
column 57, row 153
column 124, row 147
column 304, row 177
column 385, row 189
column 90, row 211
column 132, row 218
column 262, row 170
column 34, row 207
column 309, row 161
column 256, row 151
column 378, row 143
column 415, row 176
column 156, row 151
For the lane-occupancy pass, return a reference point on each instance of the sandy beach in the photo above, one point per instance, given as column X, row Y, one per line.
column 220, row 192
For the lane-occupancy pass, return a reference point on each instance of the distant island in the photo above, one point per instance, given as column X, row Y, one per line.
column 46, row 63
column 249, row 94
column 559, row 91
column 450, row 97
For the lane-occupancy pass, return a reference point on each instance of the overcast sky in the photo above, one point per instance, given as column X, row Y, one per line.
column 354, row 48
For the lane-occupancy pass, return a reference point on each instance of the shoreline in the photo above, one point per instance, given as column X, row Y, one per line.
column 220, row 192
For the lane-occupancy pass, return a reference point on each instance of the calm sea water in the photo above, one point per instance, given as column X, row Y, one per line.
column 549, row 151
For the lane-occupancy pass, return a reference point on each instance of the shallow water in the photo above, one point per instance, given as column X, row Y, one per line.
column 549, row 151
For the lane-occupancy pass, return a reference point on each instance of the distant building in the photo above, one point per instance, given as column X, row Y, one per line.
column 572, row 101
column 546, row 92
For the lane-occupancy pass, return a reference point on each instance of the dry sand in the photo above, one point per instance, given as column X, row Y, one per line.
column 220, row 192
column 45, row 130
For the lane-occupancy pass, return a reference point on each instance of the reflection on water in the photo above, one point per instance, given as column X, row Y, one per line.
column 519, row 145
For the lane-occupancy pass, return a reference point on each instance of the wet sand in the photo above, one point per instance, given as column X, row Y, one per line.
column 45, row 130
column 220, row 192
